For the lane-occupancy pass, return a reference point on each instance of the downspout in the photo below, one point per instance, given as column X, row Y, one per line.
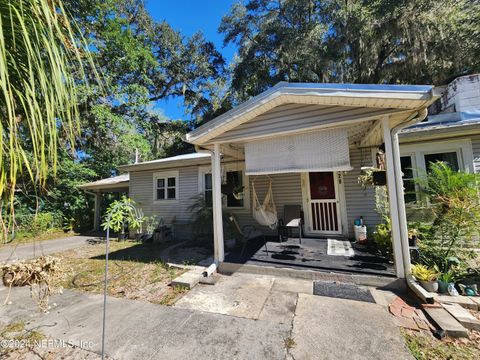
column 399, row 186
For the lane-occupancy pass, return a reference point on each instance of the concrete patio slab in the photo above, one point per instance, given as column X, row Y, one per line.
column 242, row 295
column 328, row 328
column 293, row 285
column 140, row 330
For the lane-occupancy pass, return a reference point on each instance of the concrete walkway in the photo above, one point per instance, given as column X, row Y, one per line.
column 12, row 253
column 243, row 316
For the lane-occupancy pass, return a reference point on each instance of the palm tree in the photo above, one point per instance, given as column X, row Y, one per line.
column 41, row 66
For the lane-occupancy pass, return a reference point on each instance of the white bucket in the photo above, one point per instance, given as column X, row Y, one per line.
column 360, row 233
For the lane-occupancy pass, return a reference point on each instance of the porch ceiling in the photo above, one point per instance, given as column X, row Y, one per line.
column 289, row 108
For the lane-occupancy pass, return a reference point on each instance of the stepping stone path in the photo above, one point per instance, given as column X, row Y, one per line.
column 408, row 316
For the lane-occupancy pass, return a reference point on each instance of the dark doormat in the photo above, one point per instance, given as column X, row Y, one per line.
column 342, row 290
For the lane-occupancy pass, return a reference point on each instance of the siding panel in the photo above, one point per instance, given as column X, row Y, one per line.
column 359, row 202
column 476, row 153
column 287, row 190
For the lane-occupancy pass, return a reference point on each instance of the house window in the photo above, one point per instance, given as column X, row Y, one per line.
column 165, row 186
column 207, row 191
column 235, row 192
column 450, row 158
column 408, row 179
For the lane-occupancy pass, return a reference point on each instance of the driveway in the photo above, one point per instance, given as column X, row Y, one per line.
column 241, row 317
column 12, row 253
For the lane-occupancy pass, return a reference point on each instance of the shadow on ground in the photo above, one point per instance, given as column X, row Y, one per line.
column 176, row 252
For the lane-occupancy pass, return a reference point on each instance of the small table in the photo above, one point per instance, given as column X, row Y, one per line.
column 296, row 223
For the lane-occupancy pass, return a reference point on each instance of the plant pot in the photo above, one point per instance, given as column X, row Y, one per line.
column 122, row 236
column 430, row 286
column 443, row 287
column 379, row 178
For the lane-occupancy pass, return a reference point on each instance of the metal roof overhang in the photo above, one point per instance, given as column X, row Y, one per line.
column 397, row 99
column 114, row 184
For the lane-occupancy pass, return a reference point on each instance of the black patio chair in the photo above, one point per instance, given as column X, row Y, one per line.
column 247, row 233
column 292, row 218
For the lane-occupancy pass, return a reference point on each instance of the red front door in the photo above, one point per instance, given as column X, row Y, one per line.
column 324, row 211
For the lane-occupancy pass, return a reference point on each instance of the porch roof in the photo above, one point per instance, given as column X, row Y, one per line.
column 381, row 99
column 114, row 183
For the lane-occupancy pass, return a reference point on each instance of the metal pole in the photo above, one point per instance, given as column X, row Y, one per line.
column 107, row 248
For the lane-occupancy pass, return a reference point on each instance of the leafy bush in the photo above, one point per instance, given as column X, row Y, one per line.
column 383, row 237
column 453, row 199
column 202, row 221
column 40, row 223
column 122, row 213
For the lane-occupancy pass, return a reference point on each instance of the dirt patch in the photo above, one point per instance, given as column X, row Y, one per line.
column 136, row 271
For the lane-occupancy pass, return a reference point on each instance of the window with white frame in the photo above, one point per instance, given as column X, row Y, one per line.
column 165, row 186
column 418, row 159
column 409, row 187
column 234, row 190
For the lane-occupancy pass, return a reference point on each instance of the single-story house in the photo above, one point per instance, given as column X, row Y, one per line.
column 309, row 142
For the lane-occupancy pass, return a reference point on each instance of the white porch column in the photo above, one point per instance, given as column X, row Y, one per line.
column 217, row 205
column 395, row 212
column 97, row 208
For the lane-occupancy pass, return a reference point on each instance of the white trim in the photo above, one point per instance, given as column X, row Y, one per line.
column 391, row 96
column 463, row 148
column 393, row 200
column 341, row 206
column 217, row 206
column 165, row 175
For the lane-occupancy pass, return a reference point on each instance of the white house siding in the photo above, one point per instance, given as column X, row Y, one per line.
column 476, row 153
column 287, row 190
column 141, row 191
column 359, row 202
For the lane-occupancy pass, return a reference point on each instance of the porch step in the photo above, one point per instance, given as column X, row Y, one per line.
column 357, row 279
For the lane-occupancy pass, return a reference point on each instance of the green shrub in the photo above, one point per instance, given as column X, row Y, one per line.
column 40, row 223
column 382, row 236
column 453, row 199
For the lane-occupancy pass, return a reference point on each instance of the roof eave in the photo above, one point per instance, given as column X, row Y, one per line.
column 202, row 134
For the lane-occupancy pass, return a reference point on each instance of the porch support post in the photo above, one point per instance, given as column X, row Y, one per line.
column 395, row 212
column 217, row 205
column 97, row 209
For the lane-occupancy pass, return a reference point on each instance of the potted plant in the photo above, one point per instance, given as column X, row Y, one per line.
column 238, row 191
column 427, row 277
column 444, row 280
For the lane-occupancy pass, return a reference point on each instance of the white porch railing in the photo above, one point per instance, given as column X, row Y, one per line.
column 325, row 216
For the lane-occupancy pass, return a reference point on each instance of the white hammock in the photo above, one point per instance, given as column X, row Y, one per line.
column 266, row 213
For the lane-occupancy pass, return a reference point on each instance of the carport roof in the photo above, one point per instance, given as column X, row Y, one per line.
column 111, row 183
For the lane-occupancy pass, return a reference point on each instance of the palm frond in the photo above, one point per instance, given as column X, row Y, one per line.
column 41, row 65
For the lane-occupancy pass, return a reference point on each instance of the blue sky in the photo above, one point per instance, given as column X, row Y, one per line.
column 188, row 17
